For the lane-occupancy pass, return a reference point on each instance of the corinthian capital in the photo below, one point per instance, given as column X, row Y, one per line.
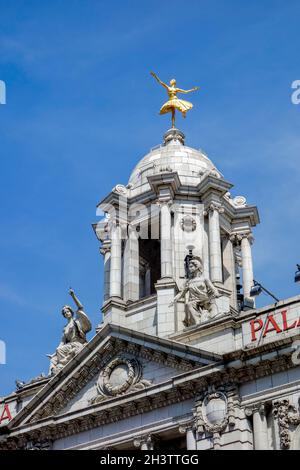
column 105, row 248
column 237, row 237
column 147, row 440
column 259, row 407
column 168, row 201
column 184, row 427
column 213, row 206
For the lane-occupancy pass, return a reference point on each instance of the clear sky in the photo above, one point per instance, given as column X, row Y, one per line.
column 82, row 109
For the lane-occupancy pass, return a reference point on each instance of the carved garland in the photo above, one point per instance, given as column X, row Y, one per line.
column 118, row 389
column 282, row 412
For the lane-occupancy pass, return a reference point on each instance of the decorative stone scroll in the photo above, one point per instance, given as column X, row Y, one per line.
column 119, row 376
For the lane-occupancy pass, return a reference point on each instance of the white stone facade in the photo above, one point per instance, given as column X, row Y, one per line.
column 146, row 381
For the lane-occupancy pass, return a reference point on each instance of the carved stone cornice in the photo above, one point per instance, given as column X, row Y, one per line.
column 224, row 380
column 54, row 426
column 41, row 445
column 98, row 362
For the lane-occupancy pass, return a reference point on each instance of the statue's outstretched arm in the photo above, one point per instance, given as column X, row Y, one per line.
column 159, row 80
column 76, row 300
column 82, row 317
column 179, row 90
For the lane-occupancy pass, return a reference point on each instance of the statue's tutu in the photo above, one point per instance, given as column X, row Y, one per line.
column 181, row 105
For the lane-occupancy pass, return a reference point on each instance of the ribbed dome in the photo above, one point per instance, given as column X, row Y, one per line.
column 189, row 163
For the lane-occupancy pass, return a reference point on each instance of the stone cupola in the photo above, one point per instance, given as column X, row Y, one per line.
column 176, row 204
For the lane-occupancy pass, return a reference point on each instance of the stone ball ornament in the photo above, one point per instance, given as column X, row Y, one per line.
column 120, row 189
column 240, row 201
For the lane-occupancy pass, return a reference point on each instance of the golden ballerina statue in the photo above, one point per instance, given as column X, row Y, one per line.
column 174, row 102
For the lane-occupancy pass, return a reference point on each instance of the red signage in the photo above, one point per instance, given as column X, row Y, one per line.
column 5, row 415
column 270, row 324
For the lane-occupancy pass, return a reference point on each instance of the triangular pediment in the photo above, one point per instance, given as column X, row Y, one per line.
column 116, row 363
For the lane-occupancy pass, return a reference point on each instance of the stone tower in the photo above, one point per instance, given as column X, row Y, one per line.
column 176, row 205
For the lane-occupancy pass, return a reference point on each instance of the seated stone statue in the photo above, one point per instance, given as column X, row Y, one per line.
column 74, row 336
column 200, row 295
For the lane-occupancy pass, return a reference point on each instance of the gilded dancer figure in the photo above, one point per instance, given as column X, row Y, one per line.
column 174, row 103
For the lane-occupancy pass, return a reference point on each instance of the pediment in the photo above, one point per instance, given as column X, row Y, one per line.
column 117, row 362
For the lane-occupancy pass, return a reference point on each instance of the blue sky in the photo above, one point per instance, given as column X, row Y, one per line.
column 82, row 109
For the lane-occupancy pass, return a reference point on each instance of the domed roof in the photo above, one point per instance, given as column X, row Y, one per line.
column 174, row 156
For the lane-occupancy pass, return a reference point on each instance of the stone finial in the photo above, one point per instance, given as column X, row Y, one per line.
column 174, row 135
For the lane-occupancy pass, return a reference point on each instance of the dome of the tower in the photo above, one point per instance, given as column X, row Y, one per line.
column 174, row 156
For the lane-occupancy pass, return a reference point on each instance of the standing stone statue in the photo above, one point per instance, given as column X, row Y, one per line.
column 199, row 293
column 74, row 335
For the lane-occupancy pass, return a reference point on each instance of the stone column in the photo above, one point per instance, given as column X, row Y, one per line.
column 247, row 263
column 215, row 255
column 105, row 251
column 188, row 430
column 131, row 266
column 146, row 442
column 260, row 429
column 148, row 281
column 165, row 240
column 116, row 262
column 230, row 269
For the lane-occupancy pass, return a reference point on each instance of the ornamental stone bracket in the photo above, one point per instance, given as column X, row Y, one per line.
column 43, row 445
column 285, row 415
column 215, row 411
